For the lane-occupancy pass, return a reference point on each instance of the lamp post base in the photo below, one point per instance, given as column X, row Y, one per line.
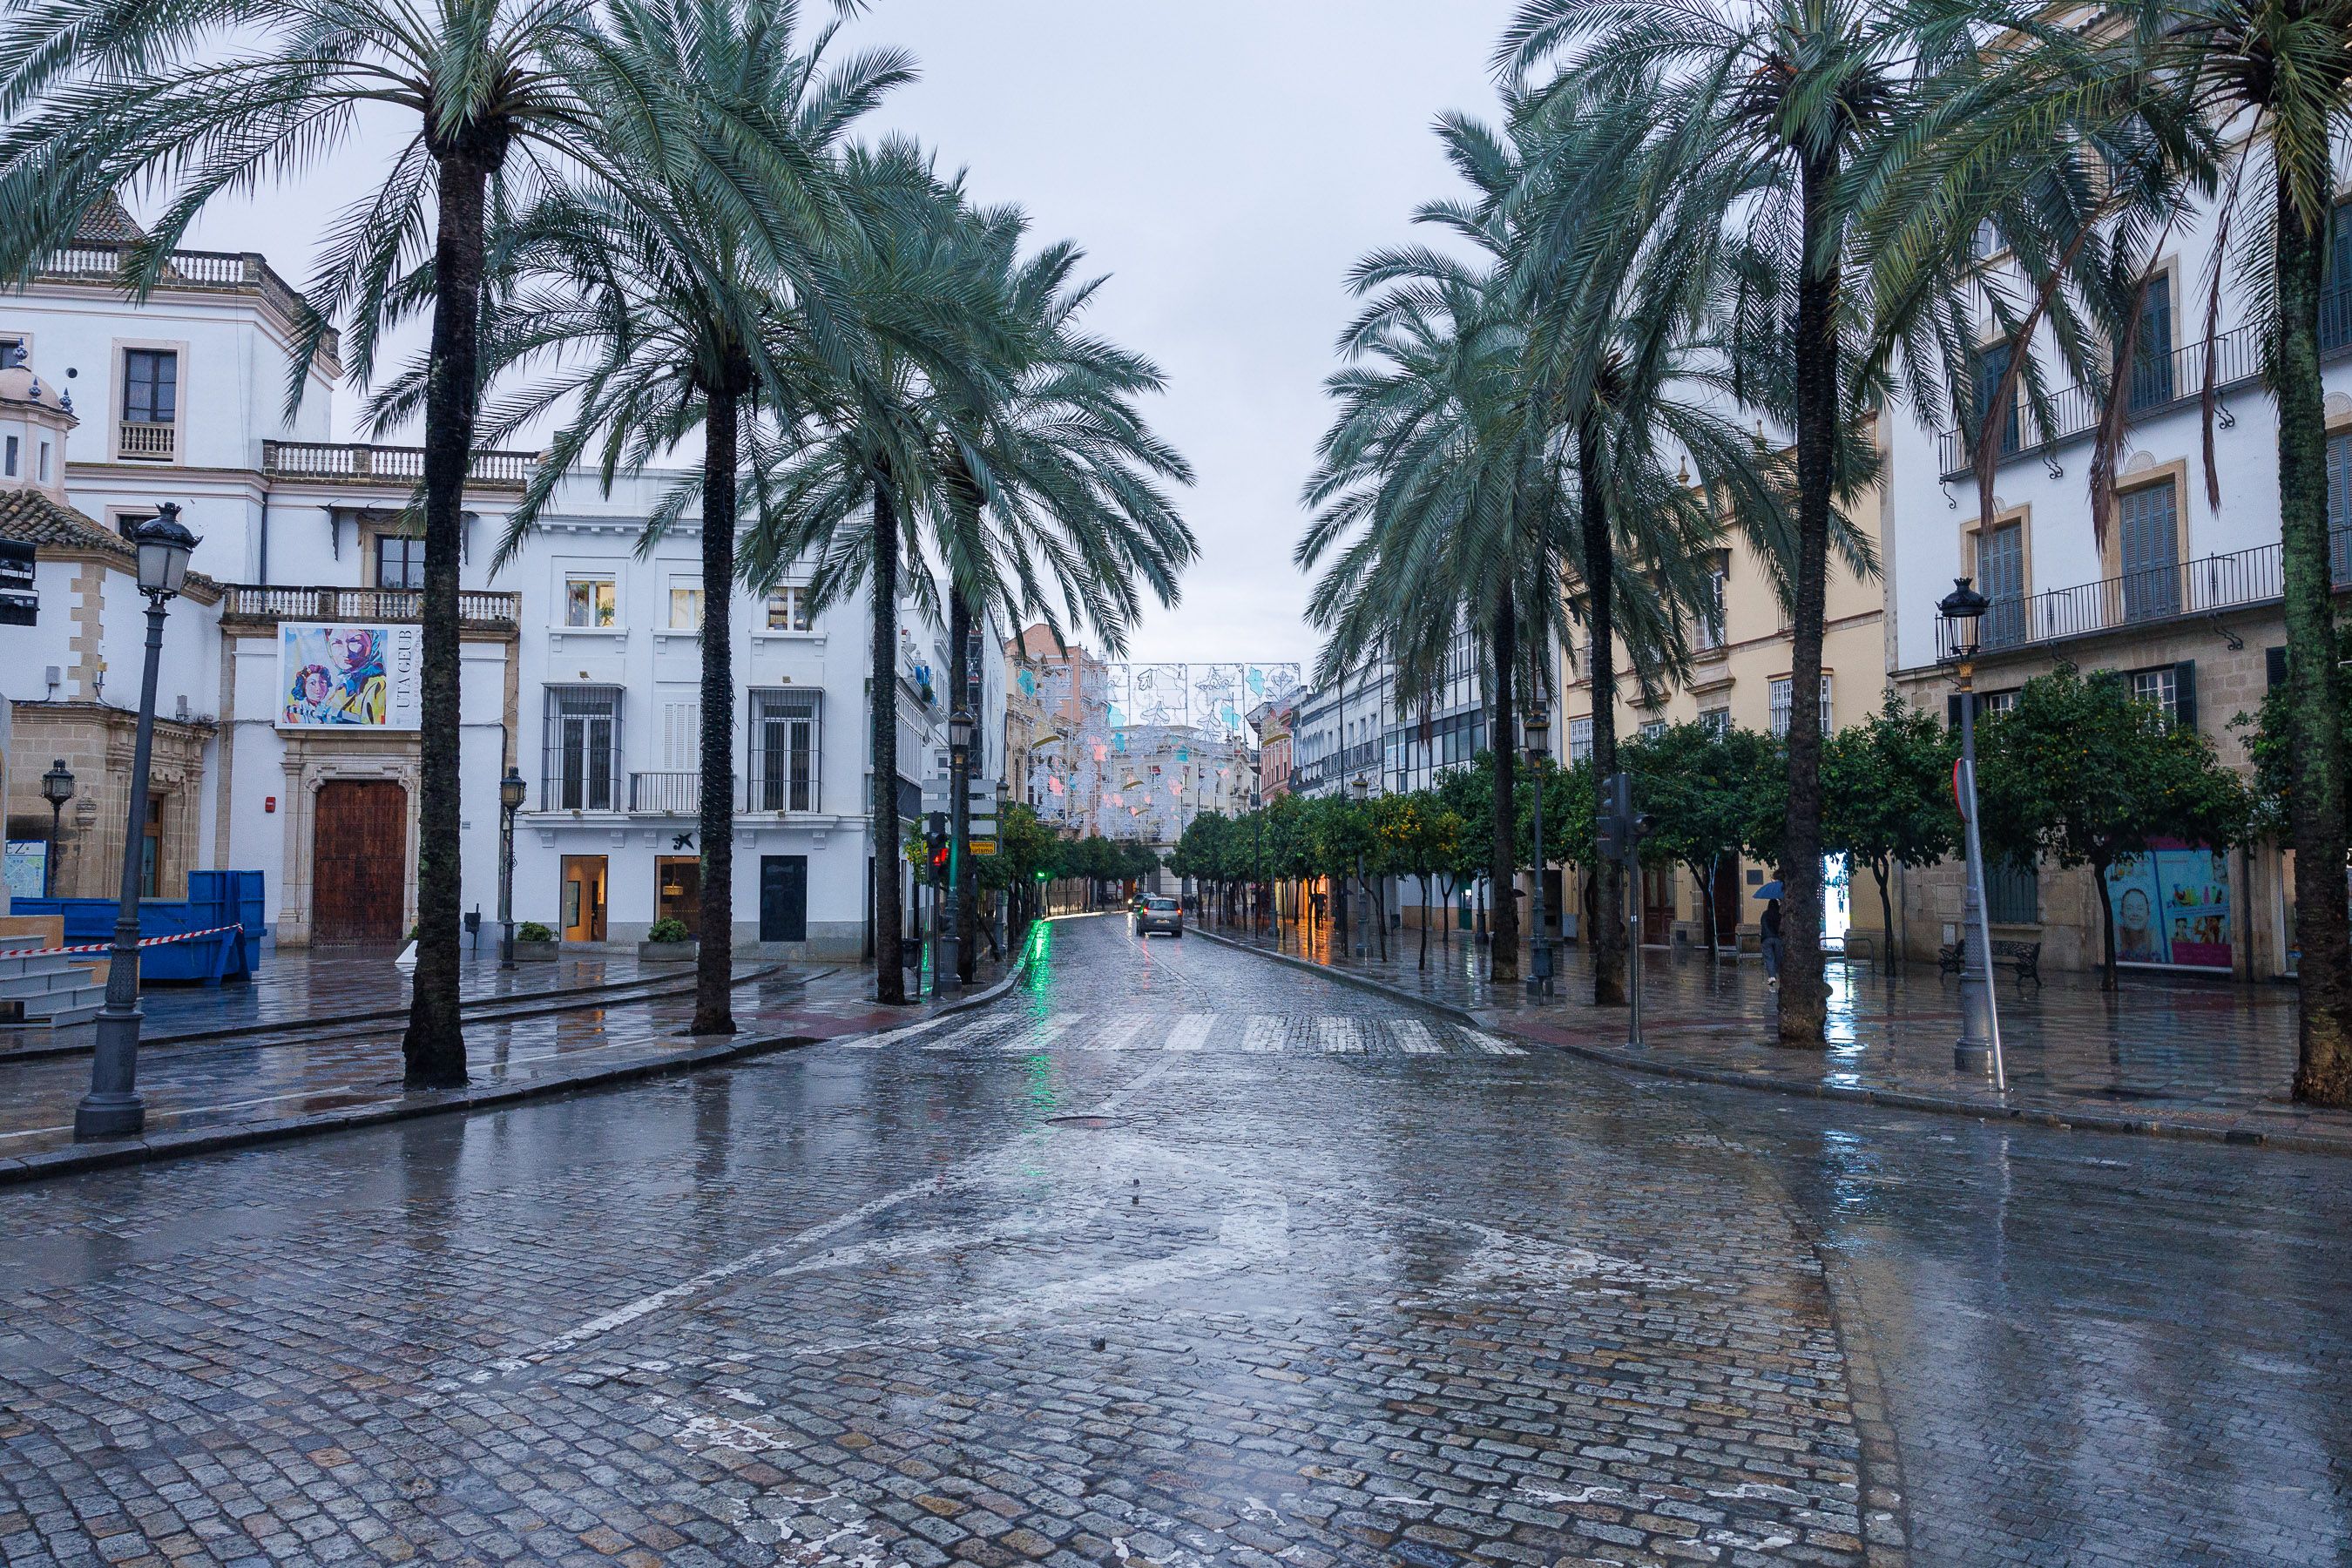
column 110, row 1116
column 1972, row 1057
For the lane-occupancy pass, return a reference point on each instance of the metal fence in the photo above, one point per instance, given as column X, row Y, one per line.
column 258, row 602
column 2188, row 588
column 2158, row 382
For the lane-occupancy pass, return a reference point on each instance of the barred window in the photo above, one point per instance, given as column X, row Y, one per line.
column 1579, row 740
column 580, row 758
column 1783, row 703
column 786, row 732
column 1717, row 720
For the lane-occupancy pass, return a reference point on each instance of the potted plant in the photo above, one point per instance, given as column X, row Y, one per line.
column 667, row 942
column 534, row 941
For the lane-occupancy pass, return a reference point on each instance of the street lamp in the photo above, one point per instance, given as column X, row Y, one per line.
column 1959, row 629
column 1538, row 728
column 1361, row 788
column 511, row 794
column 57, row 788
column 1257, row 861
column 112, row 1107
column 949, row 968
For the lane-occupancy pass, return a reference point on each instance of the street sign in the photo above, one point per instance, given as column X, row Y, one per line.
column 981, row 827
column 983, row 846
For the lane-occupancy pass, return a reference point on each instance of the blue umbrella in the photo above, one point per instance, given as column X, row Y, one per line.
column 1770, row 889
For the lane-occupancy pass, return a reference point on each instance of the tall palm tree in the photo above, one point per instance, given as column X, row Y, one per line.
column 1758, row 112
column 201, row 97
column 682, row 293
column 895, row 464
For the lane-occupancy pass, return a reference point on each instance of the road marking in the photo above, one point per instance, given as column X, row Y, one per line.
column 1191, row 1031
column 1120, row 1033
column 875, row 1042
column 1413, row 1038
column 1264, row 1033
column 963, row 1037
column 1043, row 1033
column 1491, row 1046
column 1339, row 1035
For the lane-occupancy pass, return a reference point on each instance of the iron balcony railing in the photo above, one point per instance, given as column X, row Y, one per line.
column 363, row 463
column 262, row 602
column 2158, row 382
column 666, row 793
column 2189, row 588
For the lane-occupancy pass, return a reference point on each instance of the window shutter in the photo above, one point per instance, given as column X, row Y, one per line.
column 1952, row 711
column 2274, row 667
column 2184, row 694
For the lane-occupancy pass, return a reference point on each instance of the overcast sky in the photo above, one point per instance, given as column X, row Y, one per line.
column 1224, row 161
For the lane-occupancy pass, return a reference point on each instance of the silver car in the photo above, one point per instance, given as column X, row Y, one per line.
column 1156, row 913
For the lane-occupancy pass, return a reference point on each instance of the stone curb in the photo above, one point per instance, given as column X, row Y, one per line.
column 214, row 1139
column 1895, row 1099
column 525, row 1004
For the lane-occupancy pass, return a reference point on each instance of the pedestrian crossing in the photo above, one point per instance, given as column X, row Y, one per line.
column 1327, row 1034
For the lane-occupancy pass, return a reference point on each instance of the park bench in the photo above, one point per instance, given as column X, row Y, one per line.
column 2023, row 957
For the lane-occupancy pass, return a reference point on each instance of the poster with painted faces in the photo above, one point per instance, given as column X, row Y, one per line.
column 339, row 676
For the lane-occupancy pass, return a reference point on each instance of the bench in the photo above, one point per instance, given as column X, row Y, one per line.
column 2024, row 958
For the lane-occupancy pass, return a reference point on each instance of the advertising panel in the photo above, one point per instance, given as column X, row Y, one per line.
column 338, row 676
column 2172, row 908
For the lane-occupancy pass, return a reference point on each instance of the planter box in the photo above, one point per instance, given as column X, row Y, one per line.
column 668, row 952
column 536, row 952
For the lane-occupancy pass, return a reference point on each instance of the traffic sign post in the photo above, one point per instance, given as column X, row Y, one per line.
column 1619, row 832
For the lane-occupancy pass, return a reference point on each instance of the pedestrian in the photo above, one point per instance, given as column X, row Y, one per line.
column 1771, row 942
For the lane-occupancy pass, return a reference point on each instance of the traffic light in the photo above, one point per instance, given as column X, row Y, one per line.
column 1620, row 829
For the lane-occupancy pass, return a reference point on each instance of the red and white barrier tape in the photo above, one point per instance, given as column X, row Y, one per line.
column 108, row 946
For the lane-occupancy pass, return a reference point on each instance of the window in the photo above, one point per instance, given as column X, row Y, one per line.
column 788, row 609
column 151, row 853
column 1993, row 702
column 1653, row 729
column 1992, row 364
column 43, row 475
column 1783, row 704
column 785, row 750
column 2151, row 552
column 685, row 609
column 2336, row 289
column 150, row 386
column 1985, row 243
column 1709, row 630
column 581, row 757
column 2012, row 892
column 2151, row 372
column 589, row 602
column 2154, row 686
column 1717, row 720
column 10, row 464
column 399, row 562
column 2171, row 687
column 2001, row 578
column 2339, row 507
column 1579, row 740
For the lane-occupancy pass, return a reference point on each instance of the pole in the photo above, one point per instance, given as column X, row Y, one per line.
column 1979, row 1049
column 112, row 1107
column 1540, row 972
column 1632, row 939
column 506, row 886
column 50, row 867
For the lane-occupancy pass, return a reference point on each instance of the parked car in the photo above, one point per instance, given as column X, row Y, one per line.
column 1156, row 913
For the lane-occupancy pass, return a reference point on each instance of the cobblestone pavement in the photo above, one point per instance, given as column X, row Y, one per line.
column 2191, row 1053
column 1178, row 1256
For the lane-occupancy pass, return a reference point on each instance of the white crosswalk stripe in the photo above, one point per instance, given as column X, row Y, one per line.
column 1120, row 1033
column 1191, row 1031
column 1044, row 1032
column 1339, row 1035
column 875, row 1042
column 1493, row 1047
column 964, row 1036
column 1413, row 1038
column 1264, row 1033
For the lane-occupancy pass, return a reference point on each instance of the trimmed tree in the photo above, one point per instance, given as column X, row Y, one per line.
column 1699, row 787
column 1886, row 783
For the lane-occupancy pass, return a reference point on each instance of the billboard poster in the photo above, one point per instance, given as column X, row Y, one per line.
column 340, row 676
column 2172, row 908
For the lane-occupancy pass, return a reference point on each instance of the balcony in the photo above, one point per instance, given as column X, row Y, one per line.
column 265, row 605
column 138, row 441
column 89, row 261
column 2158, row 385
column 2139, row 598
column 666, row 793
column 363, row 463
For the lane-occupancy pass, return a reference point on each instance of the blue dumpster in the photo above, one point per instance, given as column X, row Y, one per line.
column 225, row 905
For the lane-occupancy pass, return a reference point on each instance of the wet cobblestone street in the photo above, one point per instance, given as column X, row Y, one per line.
column 1176, row 1256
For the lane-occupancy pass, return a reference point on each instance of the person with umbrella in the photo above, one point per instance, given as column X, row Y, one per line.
column 1770, row 925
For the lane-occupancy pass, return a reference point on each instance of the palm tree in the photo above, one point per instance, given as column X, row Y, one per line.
column 1756, row 114
column 687, row 291
column 102, row 94
column 898, row 459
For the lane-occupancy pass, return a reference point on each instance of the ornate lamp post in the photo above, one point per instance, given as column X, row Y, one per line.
column 1961, row 625
column 112, row 1107
column 1361, row 788
column 1537, row 726
column 1257, row 861
column 57, row 788
column 511, row 794
column 961, row 728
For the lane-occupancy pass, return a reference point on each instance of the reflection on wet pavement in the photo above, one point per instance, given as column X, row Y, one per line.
column 1176, row 1256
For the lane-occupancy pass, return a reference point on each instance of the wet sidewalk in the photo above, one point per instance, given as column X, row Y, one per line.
column 220, row 1093
column 2200, row 1058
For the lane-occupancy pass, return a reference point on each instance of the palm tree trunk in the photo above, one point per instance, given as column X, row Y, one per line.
column 1503, row 862
column 882, row 710
column 1804, row 1001
column 1600, row 582
column 714, row 964
column 2323, row 1074
column 960, row 804
column 433, row 1047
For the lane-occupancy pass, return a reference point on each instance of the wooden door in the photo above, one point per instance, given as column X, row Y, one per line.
column 1657, row 905
column 1727, row 901
column 358, row 861
column 583, row 898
